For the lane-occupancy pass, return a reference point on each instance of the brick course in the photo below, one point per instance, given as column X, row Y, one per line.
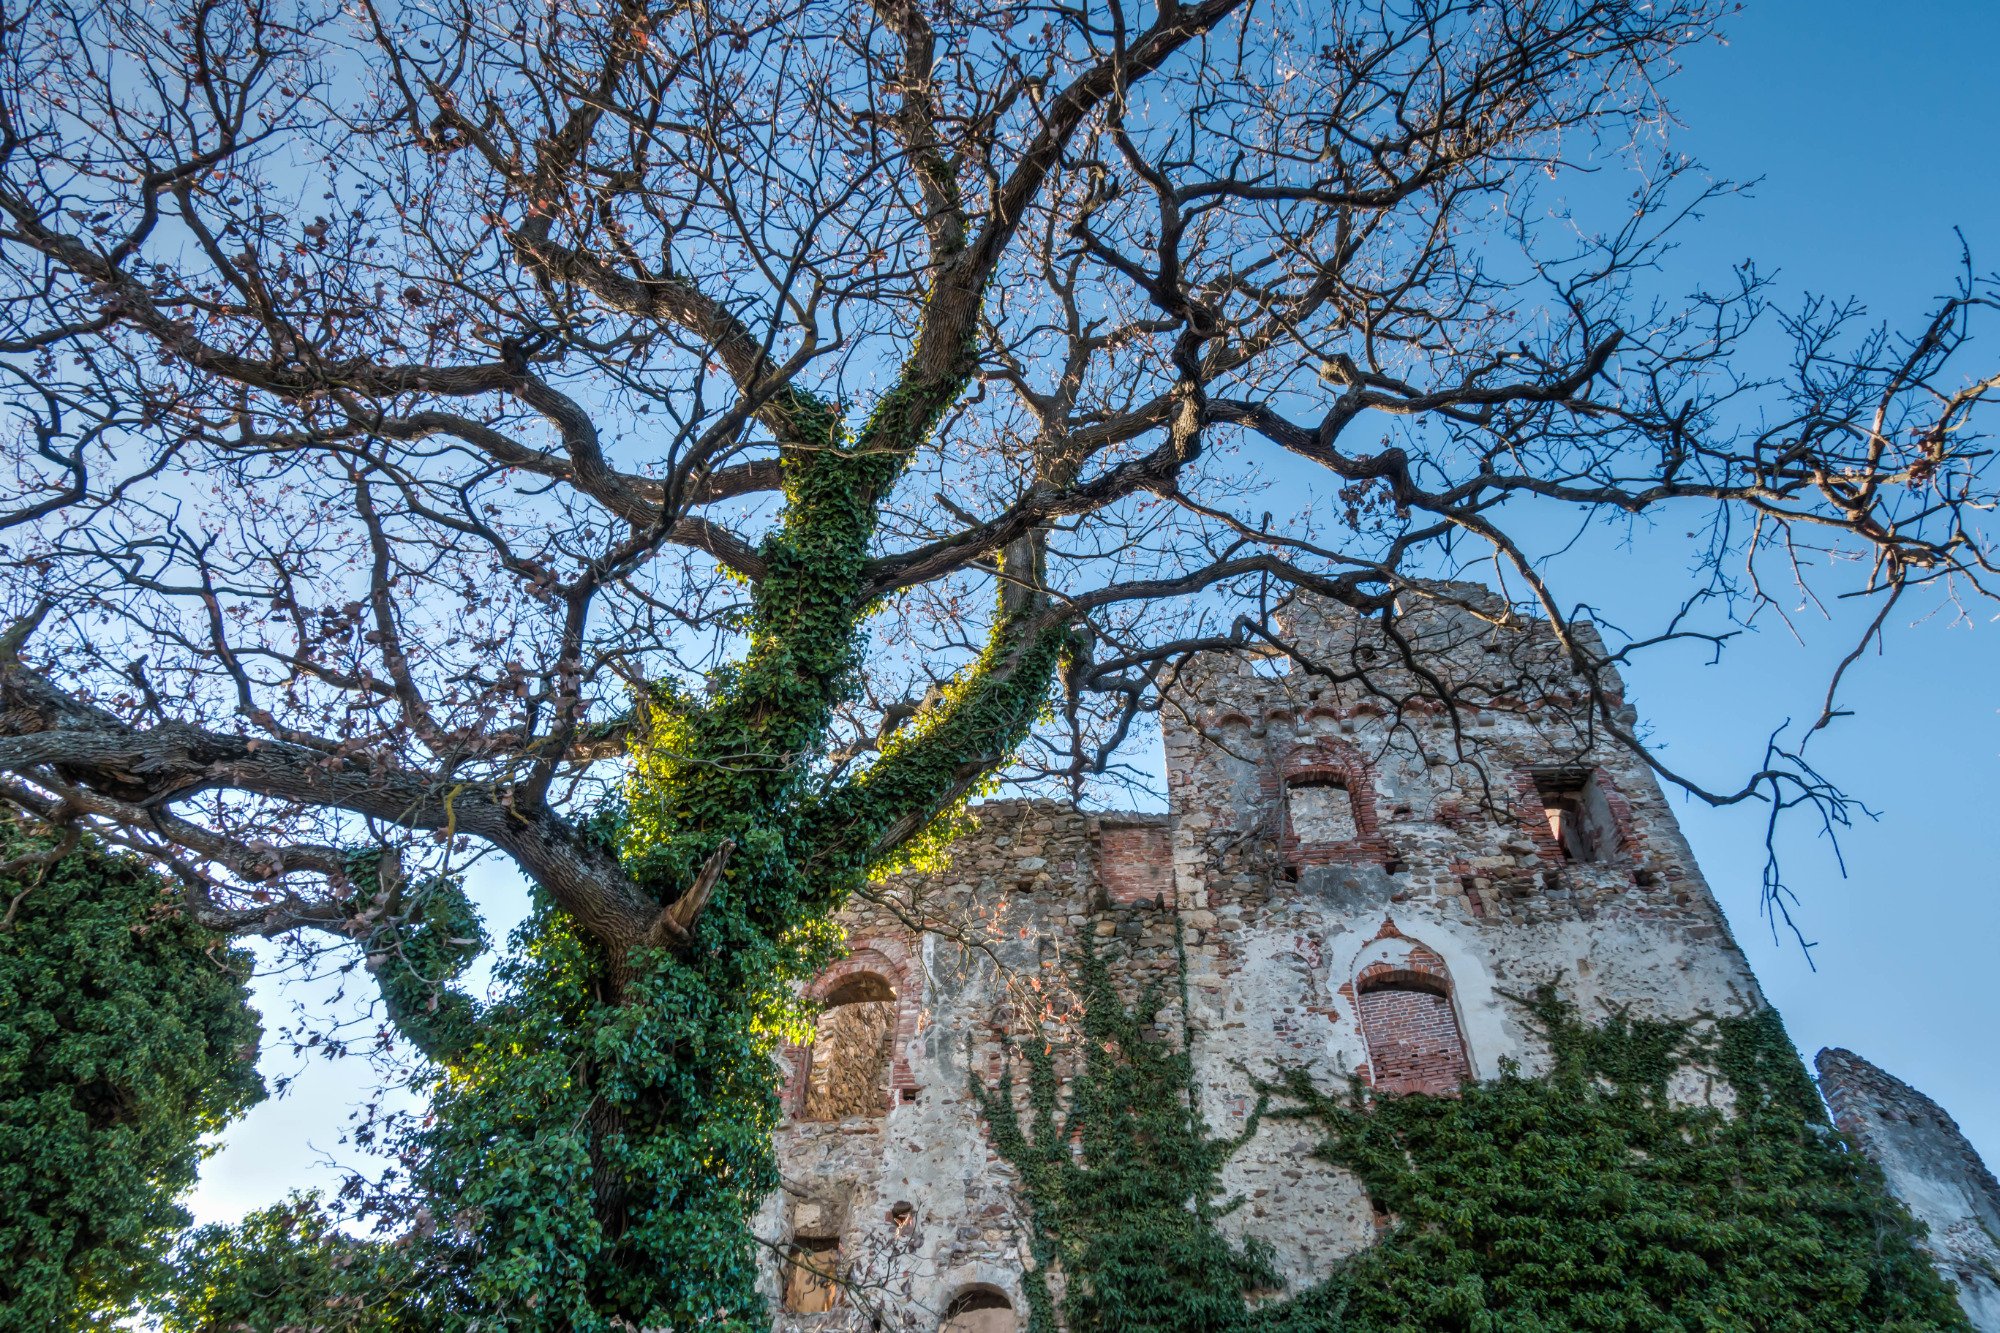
column 1413, row 1040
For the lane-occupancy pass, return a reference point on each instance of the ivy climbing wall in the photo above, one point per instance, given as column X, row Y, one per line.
column 1260, row 934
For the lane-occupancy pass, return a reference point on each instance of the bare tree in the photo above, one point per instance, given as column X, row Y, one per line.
column 416, row 409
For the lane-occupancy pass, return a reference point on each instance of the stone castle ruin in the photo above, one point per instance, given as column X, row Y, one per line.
column 1351, row 878
column 1931, row 1168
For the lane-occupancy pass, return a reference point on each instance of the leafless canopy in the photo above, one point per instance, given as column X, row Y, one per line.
column 391, row 386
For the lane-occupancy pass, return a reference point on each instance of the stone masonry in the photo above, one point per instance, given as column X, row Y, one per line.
column 1931, row 1168
column 1360, row 877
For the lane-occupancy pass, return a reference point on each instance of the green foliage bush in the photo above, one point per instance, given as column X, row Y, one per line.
column 125, row 1037
column 285, row 1268
column 590, row 1152
column 1587, row 1198
column 417, row 955
column 1582, row 1198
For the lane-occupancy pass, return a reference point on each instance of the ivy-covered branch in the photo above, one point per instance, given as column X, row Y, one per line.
column 945, row 753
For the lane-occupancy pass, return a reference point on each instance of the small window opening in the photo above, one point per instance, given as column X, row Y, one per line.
column 1272, row 664
column 1321, row 809
column 847, row 1069
column 1579, row 817
column 812, row 1275
column 981, row 1310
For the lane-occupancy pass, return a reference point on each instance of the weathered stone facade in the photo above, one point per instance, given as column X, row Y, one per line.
column 1931, row 1168
column 847, row 1066
column 1360, row 878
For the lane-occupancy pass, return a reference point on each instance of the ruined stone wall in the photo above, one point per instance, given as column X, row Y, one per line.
column 1454, row 868
column 1930, row 1167
column 1436, row 873
column 848, row 1067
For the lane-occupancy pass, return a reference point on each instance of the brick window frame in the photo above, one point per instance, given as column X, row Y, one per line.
column 1532, row 815
column 1419, row 970
column 889, row 960
column 1326, row 761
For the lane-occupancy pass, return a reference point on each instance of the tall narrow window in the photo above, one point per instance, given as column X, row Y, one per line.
column 1414, row 1044
column 812, row 1273
column 1321, row 810
column 847, row 1073
column 1579, row 817
column 980, row 1310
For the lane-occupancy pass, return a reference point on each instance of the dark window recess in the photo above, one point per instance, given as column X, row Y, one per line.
column 981, row 1310
column 812, row 1271
column 1579, row 817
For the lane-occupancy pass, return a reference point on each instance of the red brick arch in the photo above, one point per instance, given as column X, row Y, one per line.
column 889, row 959
column 1326, row 759
column 1409, row 1020
column 1382, row 976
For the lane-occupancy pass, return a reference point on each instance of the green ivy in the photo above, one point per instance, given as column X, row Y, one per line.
column 1122, row 1175
column 417, row 953
column 125, row 1038
column 286, row 1268
column 598, row 1151
column 1582, row 1198
column 600, row 1133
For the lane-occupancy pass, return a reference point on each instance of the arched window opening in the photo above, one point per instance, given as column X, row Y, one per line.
column 847, row 1072
column 979, row 1310
column 1579, row 816
column 1321, row 810
column 1414, row 1044
column 812, row 1275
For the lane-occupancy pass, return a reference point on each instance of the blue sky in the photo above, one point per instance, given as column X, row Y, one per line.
column 1873, row 131
column 1872, row 128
